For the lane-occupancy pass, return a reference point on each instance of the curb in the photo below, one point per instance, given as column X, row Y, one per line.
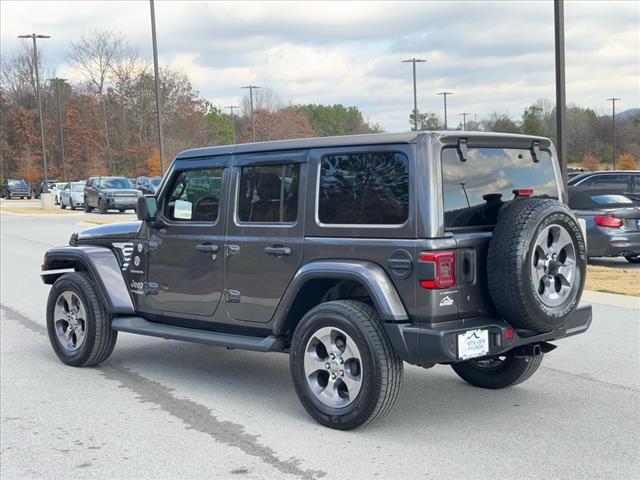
column 611, row 299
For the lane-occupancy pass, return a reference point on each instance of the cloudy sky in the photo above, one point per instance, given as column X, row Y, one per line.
column 495, row 56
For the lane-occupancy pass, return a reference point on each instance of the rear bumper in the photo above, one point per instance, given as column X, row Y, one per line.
column 605, row 243
column 437, row 343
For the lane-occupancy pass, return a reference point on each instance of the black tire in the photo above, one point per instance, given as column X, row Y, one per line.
column 511, row 257
column 500, row 374
column 102, row 207
column 121, row 210
column 71, row 205
column 382, row 369
column 99, row 339
column 87, row 207
column 632, row 258
column 62, row 205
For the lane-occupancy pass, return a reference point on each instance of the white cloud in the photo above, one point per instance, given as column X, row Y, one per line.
column 495, row 56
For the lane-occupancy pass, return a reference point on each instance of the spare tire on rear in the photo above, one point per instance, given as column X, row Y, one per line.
column 536, row 263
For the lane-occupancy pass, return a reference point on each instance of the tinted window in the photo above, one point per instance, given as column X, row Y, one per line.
column 609, row 199
column 118, row 183
column 475, row 189
column 268, row 194
column 621, row 181
column 195, row 196
column 636, row 179
column 364, row 188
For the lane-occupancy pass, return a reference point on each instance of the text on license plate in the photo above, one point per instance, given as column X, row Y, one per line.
column 473, row 343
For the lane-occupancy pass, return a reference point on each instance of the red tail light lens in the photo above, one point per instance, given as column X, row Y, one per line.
column 523, row 192
column 444, row 269
column 608, row 221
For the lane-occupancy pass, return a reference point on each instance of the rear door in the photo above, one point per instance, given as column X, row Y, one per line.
column 264, row 241
column 474, row 190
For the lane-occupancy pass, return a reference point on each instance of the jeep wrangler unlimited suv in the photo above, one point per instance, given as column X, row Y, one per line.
column 351, row 254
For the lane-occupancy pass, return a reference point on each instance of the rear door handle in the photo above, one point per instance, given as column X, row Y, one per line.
column 277, row 251
column 207, row 248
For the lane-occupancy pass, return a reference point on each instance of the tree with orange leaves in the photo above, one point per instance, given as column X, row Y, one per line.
column 626, row 161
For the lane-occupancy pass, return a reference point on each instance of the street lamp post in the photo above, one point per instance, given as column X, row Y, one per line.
column 57, row 82
column 613, row 129
column 415, row 94
column 233, row 122
column 464, row 119
column 157, row 82
column 33, row 36
column 253, row 125
column 444, row 94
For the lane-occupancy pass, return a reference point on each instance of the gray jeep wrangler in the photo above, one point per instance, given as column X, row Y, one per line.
column 351, row 254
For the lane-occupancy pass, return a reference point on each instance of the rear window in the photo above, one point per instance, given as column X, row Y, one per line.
column 475, row 189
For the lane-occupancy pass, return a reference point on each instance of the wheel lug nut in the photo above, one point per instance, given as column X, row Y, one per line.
column 326, row 365
column 333, row 376
column 341, row 360
column 333, row 355
column 342, row 373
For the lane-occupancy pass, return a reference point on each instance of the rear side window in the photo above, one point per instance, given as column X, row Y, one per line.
column 364, row 189
column 195, row 196
column 269, row 194
column 614, row 181
column 475, row 190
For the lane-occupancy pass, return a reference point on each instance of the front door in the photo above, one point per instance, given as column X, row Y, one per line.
column 185, row 272
column 265, row 233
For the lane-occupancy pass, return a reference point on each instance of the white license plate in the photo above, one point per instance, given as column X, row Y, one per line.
column 473, row 343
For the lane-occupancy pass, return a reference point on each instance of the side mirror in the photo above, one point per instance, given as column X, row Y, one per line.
column 146, row 208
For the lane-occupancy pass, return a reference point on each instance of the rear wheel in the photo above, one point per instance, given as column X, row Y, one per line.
column 62, row 205
column 78, row 324
column 344, row 369
column 101, row 206
column 499, row 372
column 632, row 258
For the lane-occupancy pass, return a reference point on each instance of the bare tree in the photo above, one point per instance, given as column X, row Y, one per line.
column 95, row 57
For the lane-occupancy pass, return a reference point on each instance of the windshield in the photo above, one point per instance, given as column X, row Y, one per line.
column 475, row 190
column 18, row 183
column 115, row 183
column 156, row 181
column 77, row 187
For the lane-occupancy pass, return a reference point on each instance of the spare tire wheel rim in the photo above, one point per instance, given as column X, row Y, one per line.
column 554, row 266
column 333, row 367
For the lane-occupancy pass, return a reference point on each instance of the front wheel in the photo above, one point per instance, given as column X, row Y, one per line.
column 102, row 207
column 632, row 258
column 62, row 205
column 344, row 369
column 499, row 372
column 79, row 326
column 87, row 207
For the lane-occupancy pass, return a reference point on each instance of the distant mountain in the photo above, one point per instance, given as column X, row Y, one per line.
column 628, row 114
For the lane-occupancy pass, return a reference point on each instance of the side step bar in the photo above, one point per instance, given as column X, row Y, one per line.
column 144, row 327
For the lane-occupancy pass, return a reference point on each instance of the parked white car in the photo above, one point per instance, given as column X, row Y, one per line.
column 56, row 189
column 72, row 195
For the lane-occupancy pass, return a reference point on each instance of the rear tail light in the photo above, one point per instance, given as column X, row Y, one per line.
column 442, row 271
column 608, row 221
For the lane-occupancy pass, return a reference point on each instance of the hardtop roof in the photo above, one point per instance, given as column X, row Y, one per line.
column 342, row 141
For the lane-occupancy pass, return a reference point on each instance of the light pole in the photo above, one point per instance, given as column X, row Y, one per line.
column 561, row 97
column 464, row 119
column 253, row 125
column 233, row 122
column 415, row 94
column 57, row 82
column 613, row 129
column 33, row 36
column 444, row 94
column 157, row 82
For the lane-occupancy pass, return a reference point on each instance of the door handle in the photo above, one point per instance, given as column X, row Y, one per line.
column 277, row 250
column 207, row 248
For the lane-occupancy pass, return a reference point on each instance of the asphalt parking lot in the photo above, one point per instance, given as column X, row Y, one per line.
column 166, row 409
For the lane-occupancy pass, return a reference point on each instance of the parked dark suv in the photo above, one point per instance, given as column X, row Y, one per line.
column 351, row 254
column 110, row 193
column 14, row 188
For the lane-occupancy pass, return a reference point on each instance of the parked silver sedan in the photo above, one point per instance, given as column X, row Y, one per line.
column 612, row 221
column 72, row 195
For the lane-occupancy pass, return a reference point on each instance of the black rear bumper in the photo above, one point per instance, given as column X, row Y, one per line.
column 422, row 344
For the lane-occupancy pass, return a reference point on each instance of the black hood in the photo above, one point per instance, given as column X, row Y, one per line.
column 123, row 230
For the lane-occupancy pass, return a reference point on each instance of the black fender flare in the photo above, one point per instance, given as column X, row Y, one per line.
column 372, row 276
column 103, row 266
